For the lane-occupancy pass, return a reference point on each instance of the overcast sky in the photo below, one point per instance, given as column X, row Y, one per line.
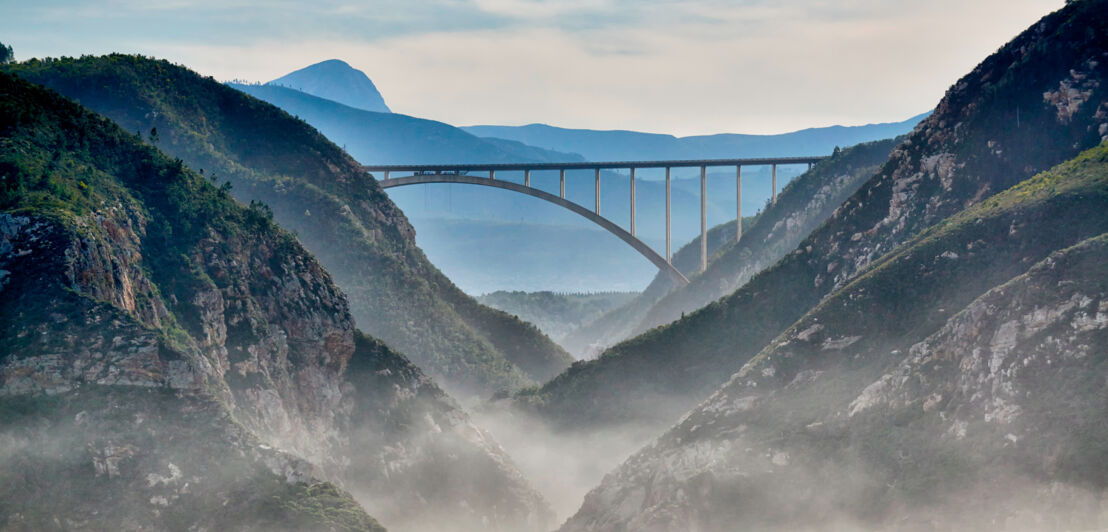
column 682, row 67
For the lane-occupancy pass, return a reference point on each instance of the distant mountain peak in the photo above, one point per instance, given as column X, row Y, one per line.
column 336, row 80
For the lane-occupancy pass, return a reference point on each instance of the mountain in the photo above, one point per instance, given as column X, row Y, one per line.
column 173, row 360
column 338, row 211
column 621, row 145
column 337, row 81
column 957, row 384
column 392, row 138
column 801, row 207
column 971, row 148
column 556, row 314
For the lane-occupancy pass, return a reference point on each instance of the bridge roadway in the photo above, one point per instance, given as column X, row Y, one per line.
column 459, row 173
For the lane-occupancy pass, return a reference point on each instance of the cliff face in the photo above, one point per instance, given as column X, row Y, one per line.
column 902, row 400
column 971, row 148
column 338, row 212
column 172, row 359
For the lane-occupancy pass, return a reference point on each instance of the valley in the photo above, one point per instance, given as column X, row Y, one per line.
column 214, row 317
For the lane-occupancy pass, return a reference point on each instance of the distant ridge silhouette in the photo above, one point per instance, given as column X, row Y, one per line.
column 337, row 81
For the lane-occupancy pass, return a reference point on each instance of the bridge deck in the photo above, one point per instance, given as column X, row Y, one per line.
column 478, row 167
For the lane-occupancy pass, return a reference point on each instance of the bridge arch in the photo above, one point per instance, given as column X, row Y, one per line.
column 608, row 225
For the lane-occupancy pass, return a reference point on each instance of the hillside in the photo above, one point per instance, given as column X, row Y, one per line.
column 173, row 358
column 957, row 384
column 960, row 156
column 635, row 146
column 337, row 81
column 556, row 314
column 316, row 190
column 801, row 207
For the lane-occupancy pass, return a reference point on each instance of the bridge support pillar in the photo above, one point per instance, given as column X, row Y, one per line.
column 775, row 184
column 632, row 202
column 703, row 218
column 492, row 174
column 669, row 256
column 597, row 181
column 386, row 175
column 562, row 183
column 527, row 178
column 738, row 203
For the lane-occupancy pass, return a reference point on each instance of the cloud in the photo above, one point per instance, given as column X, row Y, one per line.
column 685, row 67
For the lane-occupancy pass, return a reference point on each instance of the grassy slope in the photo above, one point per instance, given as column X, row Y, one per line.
column 60, row 165
column 338, row 212
column 965, row 152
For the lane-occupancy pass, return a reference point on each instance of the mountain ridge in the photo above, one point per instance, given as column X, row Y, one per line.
column 336, row 80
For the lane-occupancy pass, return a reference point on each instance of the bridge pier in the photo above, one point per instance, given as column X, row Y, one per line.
column 738, row 202
column 562, row 183
column 632, row 202
column 597, row 191
column 774, row 184
column 527, row 177
column 703, row 218
column 386, row 175
column 669, row 256
column 492, row 174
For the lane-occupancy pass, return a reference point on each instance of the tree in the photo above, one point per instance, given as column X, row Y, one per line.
column 6, row 54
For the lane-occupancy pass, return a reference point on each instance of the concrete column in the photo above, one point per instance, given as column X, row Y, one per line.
column 809, row 166
column 632, row 202
column 492, row 174
column 775, row 184
column 527, row 178
column 562, row 183
column 386, row 175
column 597, row 191
column 738, row 203
column 668, row 255
column 703, row 218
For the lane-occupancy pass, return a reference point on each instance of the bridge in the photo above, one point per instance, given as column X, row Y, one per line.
column 461, row 173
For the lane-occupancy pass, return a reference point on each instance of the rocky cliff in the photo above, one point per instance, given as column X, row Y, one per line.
column 908, row 403
column 172, row 359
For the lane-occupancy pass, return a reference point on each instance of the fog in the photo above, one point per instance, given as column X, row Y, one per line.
column 562, row 465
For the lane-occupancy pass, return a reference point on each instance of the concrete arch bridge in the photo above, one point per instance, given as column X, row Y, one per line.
column 486, row 176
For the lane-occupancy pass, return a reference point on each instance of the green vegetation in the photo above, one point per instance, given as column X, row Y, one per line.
column 316, row 190
column 6, row 54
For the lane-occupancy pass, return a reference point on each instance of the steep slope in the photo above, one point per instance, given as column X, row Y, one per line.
column 337, row 211
column 155, row 335
column 904, row 399
column 633, row 145
column 968, row 150
column 801, row 207
column 161, row 341
column 335, row 80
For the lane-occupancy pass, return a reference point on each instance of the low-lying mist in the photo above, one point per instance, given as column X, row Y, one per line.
column 562, row 465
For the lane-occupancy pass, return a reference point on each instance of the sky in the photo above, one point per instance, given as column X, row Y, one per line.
column 684, row 67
